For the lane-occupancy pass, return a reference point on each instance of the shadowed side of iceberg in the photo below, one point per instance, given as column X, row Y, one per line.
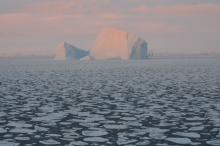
column 139, row 50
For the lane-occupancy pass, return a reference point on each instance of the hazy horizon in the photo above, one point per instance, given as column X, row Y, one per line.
column 37, row 26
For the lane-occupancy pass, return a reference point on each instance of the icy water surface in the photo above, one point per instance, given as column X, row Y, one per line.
column 163, row 101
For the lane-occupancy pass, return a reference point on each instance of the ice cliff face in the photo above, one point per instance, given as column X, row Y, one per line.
column 66, row 51
column 113, row 43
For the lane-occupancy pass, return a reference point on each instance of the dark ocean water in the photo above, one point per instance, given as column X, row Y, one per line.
column 159, row 101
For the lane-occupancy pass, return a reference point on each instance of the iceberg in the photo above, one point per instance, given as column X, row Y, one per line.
column 112, row 43
column 66, row 51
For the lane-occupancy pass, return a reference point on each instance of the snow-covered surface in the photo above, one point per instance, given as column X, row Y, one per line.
column 164, row 101
column 66, row 51
column 112, row 43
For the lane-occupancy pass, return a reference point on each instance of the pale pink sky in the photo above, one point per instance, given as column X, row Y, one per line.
column 36, row 26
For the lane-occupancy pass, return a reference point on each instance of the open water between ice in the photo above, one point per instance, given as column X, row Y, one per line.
column 159, row 101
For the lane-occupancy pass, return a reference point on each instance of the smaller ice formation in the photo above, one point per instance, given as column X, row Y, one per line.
column 88, row 58
column 66, row 51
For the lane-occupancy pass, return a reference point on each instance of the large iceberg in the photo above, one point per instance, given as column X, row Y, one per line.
column 113, row 43
column 66, row 51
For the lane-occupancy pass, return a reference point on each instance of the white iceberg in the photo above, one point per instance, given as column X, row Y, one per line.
column 66, row 51
column 113, row 43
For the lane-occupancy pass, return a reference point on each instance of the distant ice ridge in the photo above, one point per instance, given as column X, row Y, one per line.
column 66, row 51
column 112, row 43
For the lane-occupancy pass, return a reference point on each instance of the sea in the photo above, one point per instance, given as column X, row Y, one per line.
column 161, row 101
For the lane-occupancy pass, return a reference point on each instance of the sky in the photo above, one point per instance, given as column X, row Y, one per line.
column 175, row 26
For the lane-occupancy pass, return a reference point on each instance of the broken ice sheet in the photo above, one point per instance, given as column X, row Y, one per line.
column 62, row 99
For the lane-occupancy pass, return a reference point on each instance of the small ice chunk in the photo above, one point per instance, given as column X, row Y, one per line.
column 19, row 125
column 158, row 136
column 197, row 128
column 94, row 133
column 103, row 112
column 115, row 126
column 3, row 130
column 93, row 119
column 41, row 129
column 3, row 114
column 189, row 134
column 155, row 130
column 6, row 143
column 195, row 143
column 193, row 123
column 196, row 119
column 95, row 139
column 22, row 130
column 134, row 123
column 125, row 141
column 179, row 140
column 144, row 143
column 53, row 135
column 128, row 118
column 214, row 142
column 50, row 142
column 22, row 138
column 80, row 143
